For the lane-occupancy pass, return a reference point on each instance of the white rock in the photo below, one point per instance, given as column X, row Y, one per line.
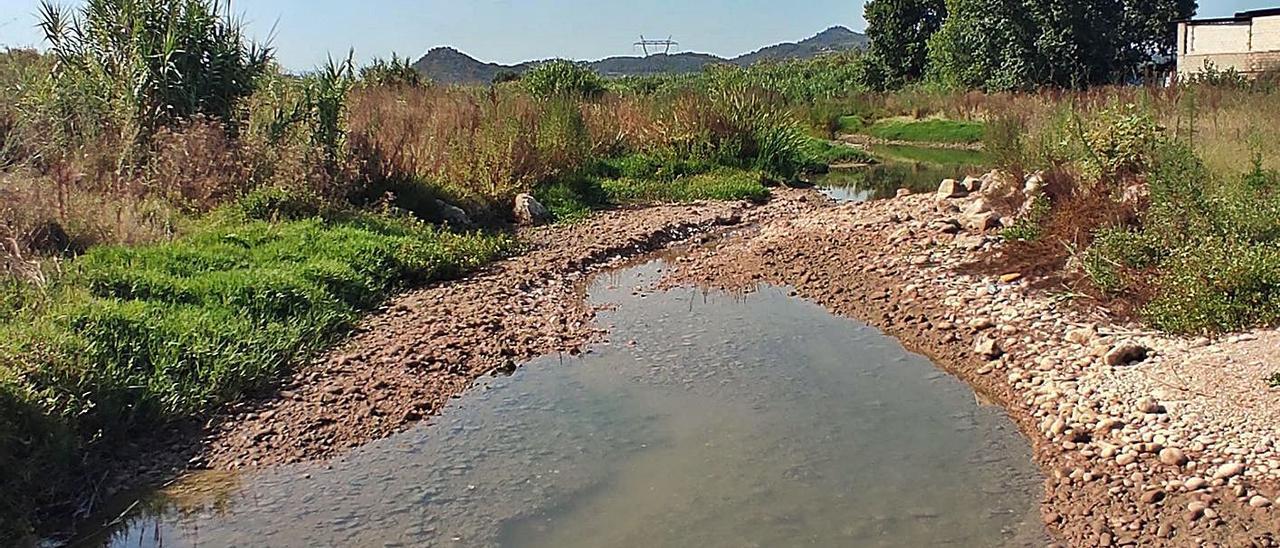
column 950, row 188
column 1228, row 470
column 528, row 211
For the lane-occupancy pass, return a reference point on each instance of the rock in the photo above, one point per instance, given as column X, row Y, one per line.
column 1081, row 336
column 1259, row 501
column 1172, row 457
column 1195, row 484
column 972, row 184
column 1195, row 510
column 528, row 211
column 1126, row 459
column 1153, row 496
column 978, row 207
column 979, row 324
column 946, row 226
column 1033, row 185
column 1228, row 471
column 1107, row 425
column 987, row 347
column 452, row 215
column 1149, row 406
column 903, row 192
column 1010, row 277
column 982, row 221
column 1125, row 353
column 950, row 188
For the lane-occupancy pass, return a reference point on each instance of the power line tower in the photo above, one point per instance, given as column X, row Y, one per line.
column 655, row 45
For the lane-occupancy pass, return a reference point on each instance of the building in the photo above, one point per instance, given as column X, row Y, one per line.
column 1249, row 43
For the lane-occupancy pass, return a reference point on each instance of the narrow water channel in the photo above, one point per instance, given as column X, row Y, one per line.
column 709, row 420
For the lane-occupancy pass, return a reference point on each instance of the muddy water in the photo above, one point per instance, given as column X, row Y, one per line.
column 710, row 420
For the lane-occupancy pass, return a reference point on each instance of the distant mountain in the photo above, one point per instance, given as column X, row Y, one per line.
column 832, row 39
column 450, row 66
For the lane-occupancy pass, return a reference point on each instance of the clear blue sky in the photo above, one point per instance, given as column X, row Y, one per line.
column 517, row 30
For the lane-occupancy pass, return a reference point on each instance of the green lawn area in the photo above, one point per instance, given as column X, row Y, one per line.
column 928, row 131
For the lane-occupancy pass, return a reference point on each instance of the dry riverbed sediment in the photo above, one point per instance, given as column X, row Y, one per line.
column 1145, row 439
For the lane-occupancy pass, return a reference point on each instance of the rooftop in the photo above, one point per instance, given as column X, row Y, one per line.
column 1239, row 17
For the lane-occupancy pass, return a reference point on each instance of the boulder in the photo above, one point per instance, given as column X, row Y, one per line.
column 452, row 215
column 903, row 192
column 999, row 184
column 972, row 184
column 979, row 206
column 950, row 188
column 528, row 211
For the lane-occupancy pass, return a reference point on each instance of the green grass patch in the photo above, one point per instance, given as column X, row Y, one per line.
column 851, row 124
column 928, row 131
column 132, row 338
column 930, row 155
column 821, row 152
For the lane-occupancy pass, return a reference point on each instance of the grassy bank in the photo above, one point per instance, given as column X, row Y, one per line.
column 928, row 131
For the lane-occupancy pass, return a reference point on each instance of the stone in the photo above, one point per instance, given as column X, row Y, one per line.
column 987, row 347
column 1033, row 185
column 903, row 192
column 1149, row 406
column 452, row 215
column 528, row 211
column 1172, row 456
column 950, row 188
column 972, row 184
column 982, row 221
column 1195, row 484
column 1153, row 496
column 1126, row 459
column 1010, row 277
column 1081, row 336
column 1125, row 353
column 1228, row 471
column 1259, row 501
column 978, row 207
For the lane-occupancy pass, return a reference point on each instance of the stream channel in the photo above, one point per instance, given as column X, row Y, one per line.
column 711, row 419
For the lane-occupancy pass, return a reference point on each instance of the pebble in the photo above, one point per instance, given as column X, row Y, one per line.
column 1259, row 501
column 1228, row 471
column 1172, row 456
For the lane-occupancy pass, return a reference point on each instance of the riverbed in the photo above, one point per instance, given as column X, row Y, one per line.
column 708, row 419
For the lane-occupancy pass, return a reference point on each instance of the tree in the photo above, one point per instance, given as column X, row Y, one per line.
column 1150, row 38
column 1018, row 44
column 900, row 32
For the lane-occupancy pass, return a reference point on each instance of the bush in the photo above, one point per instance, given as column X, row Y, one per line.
column 562, row 78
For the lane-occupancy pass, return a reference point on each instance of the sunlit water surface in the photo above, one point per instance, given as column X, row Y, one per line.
column 710, row 420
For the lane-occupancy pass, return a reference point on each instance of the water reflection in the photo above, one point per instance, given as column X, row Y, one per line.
column 916, row 168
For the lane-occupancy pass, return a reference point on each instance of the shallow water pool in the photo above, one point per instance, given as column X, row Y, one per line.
column 709, row 420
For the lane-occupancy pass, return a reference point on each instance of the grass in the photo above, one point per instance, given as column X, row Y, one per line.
column 928, row 131
column 574, row 198
column 933, row 156
column 826, row 153
column 133, row 338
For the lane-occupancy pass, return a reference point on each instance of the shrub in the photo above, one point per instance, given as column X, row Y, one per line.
column 153, row 62
column 393, row 72
column 562, row 78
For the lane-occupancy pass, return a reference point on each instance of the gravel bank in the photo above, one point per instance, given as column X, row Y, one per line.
column 1146, row 439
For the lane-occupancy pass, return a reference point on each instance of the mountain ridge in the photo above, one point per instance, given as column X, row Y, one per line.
column 448, row 65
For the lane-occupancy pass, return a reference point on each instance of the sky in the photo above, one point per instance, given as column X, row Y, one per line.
column 305, row 32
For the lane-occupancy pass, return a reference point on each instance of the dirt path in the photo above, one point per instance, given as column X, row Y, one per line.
column 1172, row 450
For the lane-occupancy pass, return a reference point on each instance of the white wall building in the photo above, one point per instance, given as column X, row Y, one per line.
column 1249, row 43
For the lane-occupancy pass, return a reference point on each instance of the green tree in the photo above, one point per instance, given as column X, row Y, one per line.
column 988, row 44
column 1149, row 34
column 900, row 32
column 1018, row 44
